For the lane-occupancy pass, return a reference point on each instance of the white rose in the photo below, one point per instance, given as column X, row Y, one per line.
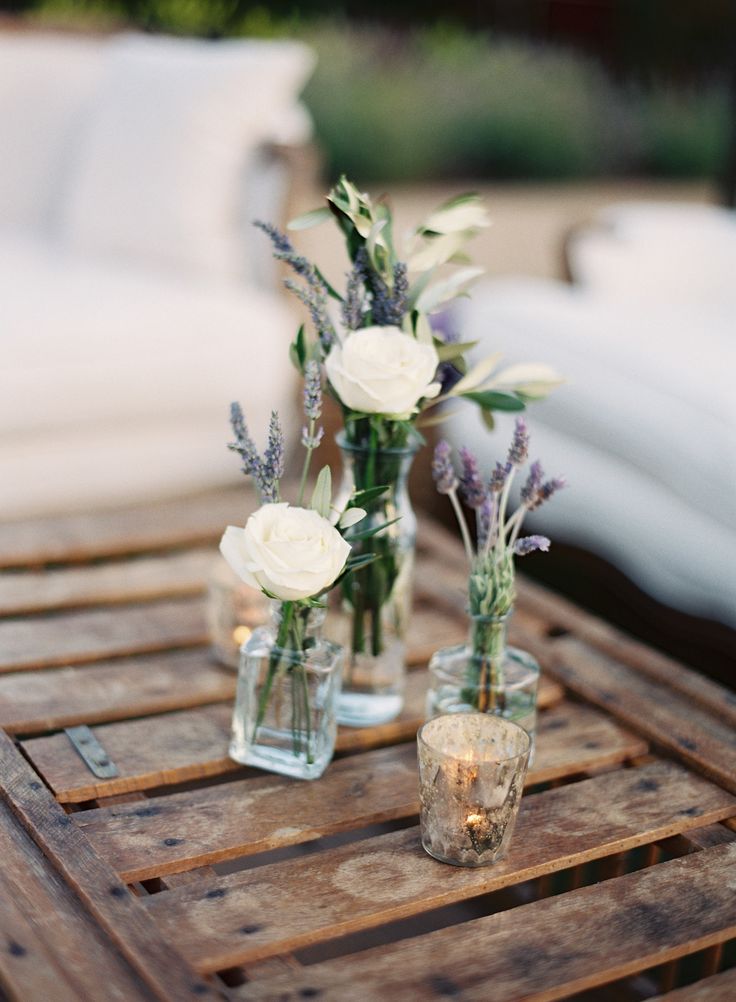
column 381, row 370
column 292, row 553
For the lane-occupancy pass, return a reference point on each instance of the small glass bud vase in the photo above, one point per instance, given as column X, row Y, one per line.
column 234, row 611
column 472, row 768
column 288, row 684
column 375, row 601
column 485, row 675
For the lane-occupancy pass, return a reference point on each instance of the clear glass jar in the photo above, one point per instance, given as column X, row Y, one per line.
column 234, row 611
column 375, row 602
column 485, row 675
column 288, row 684
column 472, row 768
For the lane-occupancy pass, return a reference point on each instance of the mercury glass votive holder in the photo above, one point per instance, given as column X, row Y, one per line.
column 471, row 776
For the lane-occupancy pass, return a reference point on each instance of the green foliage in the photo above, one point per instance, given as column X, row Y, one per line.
column 441, row 102
column 445, row 104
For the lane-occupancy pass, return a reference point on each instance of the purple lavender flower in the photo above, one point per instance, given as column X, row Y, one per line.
column 499, row 477
column 447, row 373
column 244, row 444
column 280, row 241
column 519, row 449
column 272, row 467
column 486, row 516
column 545, row 492
column 443, row 471
column 388, row 305
column 312, row 441
column 471, row 483
column 312, row 391
column 528, row 544
column 352, row 307
column 314, row 297
column 533, row 482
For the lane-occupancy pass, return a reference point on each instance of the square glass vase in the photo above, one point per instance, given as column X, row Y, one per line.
column 285, row 715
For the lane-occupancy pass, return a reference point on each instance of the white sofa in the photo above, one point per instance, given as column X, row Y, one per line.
column 135, row 298
column 645, row 429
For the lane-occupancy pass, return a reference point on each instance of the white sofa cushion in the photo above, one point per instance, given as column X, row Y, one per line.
column 116, row 383
column 46, row 85
column 659, row 253
column 159, row 172
column 649, row 400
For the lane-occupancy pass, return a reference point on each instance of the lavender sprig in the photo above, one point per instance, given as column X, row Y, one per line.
column 471, row 485
column 311, row 434
column 519, row 449
column 244, row 444
column 491, row 587
column 447, row 483
column 388, row 305
column 314, row 298
column 272, row 466
column 499, row 477
column 528, row 544
column 314, row 293
column 443, row 471
column 354, row 302
column 533, row 482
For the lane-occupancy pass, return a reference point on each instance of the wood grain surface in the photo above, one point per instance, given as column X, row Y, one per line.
column 94, row 883
column 178, row 747
column 302, row 901
column 111, row 583
column 545, row 950
column 91, row 635
column 182, row 830
column 31, row 702
column 696, row 736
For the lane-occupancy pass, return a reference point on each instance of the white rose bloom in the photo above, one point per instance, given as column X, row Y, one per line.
column 381, row 370
column 292, row 553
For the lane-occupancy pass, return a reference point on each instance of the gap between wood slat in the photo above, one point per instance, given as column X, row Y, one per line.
column 300, row 902
column 542, row 951
column 183, row 830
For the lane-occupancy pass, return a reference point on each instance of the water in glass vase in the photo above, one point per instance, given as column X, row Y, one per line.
column 375, row 602
column 285, row 710
column 485, row 675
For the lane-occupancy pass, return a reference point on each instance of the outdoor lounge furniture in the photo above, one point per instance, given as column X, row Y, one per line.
column 645, row 427
column 135, row 296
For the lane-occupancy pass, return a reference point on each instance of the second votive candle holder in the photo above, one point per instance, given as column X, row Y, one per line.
column 472, row 768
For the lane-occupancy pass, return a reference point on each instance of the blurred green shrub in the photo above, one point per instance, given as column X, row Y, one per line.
column 442, row 102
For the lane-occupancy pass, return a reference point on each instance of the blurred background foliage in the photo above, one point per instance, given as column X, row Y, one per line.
column 506, row 89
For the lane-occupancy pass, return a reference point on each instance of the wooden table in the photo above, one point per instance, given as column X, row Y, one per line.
column 185, row 876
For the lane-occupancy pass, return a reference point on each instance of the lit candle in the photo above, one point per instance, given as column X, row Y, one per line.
column 471, row 776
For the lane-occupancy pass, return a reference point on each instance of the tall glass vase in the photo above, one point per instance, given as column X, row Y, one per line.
column 485, row 674
column 288, row 682
column 375, row 602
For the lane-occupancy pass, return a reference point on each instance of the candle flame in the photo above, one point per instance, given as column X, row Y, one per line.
column 241, row 634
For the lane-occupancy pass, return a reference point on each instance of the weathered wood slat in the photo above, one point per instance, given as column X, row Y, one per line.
column 719, row 988
column 36, row 961
column 94, row 883
column 129, row 529
column 557, row 612
column 31, row 702
column 545, row 950
column 184, row 830
column 80, row 637
column 180, row 746
column 138, row 580
column 698, row 737
column 279, row 907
